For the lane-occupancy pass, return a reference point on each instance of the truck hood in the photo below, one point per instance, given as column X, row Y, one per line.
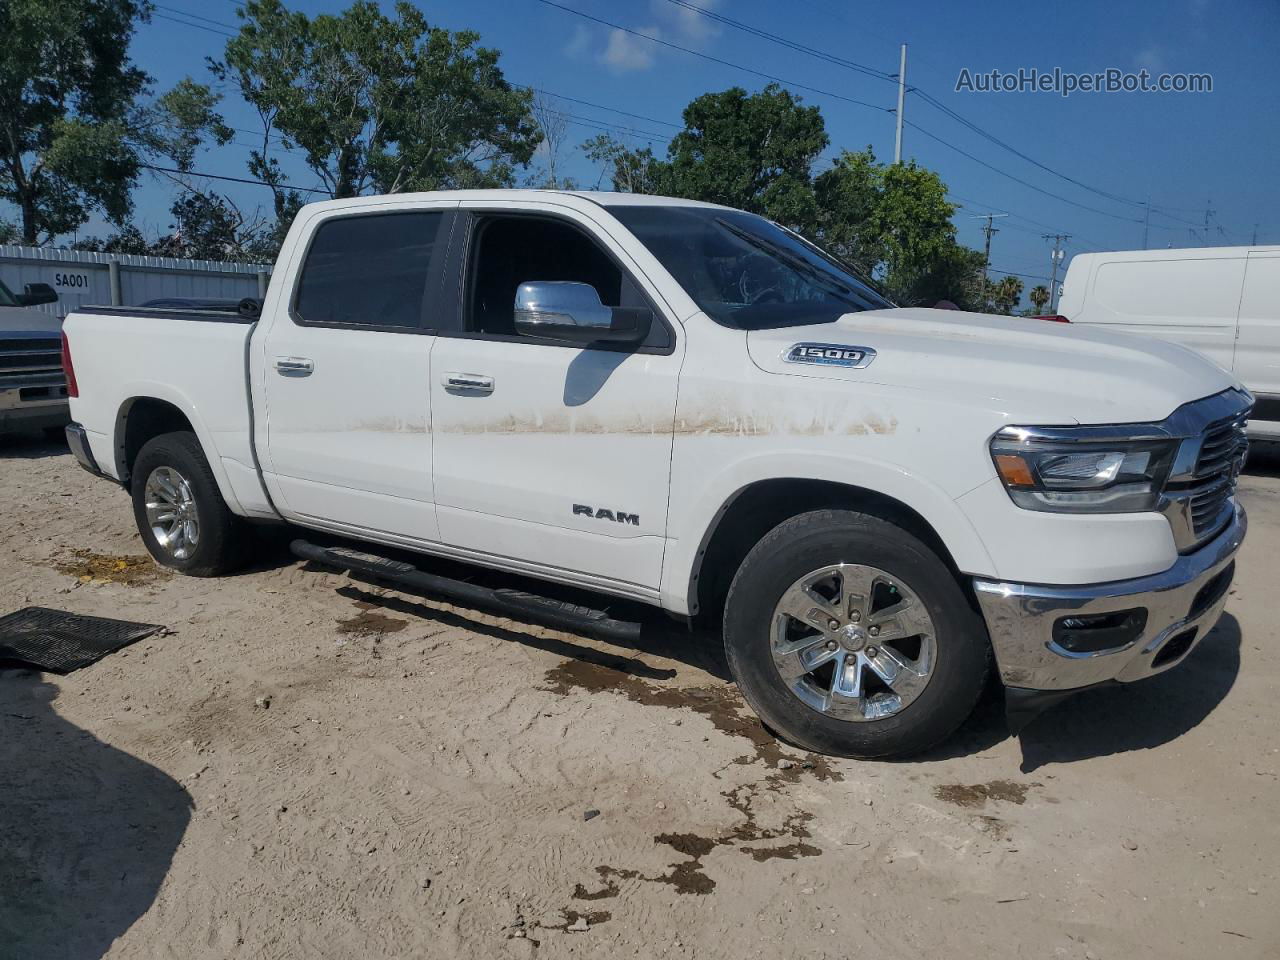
column 25, row 322
column 1031, row 371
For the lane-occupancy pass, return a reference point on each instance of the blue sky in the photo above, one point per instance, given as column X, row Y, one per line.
column 1183, row 151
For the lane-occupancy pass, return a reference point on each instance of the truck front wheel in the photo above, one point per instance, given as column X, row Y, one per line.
column 180, row 513
column 849, row 636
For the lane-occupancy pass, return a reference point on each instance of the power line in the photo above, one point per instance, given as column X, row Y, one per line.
column 218, row 176
column 927, row 97
column 599, row 124
column 792, row 44
column 196, row 16
column 827, row 93
column 968, row 124
column 600, row 106
column 1025, row 276
column 1015, row 179
column 709, row 57
column 197, row 26
column 590, row 122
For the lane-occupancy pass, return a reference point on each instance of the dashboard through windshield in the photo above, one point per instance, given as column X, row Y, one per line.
column 744, row 271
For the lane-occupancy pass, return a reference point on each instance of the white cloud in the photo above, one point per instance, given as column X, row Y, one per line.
column 689, row 26
column 1150, row 58
column 580, row 42
column 626, row 52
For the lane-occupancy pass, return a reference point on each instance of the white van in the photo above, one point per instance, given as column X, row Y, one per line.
column 1221, row 301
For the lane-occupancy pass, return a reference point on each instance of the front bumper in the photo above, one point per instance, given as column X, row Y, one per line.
column 1182, row 604
column 33, row 407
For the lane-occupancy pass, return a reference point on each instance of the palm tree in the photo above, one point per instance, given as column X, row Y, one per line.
column 1039, row 296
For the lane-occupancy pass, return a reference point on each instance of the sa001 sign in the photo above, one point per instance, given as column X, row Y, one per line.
column 70, row 282
column 829, row 354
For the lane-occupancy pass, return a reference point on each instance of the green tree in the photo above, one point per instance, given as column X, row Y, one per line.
column 67, row 88
column 377, row 103
column 128, row 239
column 1005, row 293
column 751, row 151
column 755, row 152
column 630, row 171
column 1039, row 297
column 892, row 222
column 208, row 226
column 181, row 121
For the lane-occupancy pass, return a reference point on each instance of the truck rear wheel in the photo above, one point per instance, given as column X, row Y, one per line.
column 180, row 513
column 849, row 636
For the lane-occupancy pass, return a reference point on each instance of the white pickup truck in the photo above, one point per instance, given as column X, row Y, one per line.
column 689, row 406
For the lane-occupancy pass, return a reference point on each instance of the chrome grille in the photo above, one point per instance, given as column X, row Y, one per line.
column 1222, row 450
column 30, row 362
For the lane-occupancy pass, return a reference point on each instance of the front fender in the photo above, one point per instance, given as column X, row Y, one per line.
column 698, row 504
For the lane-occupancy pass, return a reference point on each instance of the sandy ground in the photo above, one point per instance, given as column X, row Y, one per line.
column 309, row 766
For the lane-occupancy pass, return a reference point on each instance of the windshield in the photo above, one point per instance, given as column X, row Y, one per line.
column 744, row 271
column 6, row 298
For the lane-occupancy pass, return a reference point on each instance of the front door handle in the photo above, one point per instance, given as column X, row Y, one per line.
column 294, row 366
column 470, row 383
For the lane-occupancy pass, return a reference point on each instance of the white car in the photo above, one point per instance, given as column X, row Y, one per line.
column 1223, row 302
column 688, row 406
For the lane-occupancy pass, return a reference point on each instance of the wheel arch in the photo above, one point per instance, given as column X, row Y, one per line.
column 700, row 573
column 143, row 416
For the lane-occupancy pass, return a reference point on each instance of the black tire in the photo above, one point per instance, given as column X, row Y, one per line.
column 223, row 537
column 812, row 541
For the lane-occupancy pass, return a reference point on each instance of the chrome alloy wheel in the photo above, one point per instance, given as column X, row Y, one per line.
column 853, row 642
column 171, row 512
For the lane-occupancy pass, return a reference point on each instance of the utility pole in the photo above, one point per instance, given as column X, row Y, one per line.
column 1255, row 235
column 1195, row 233
column 902, row 98
column 1146, row 224
column 1058, row 253
column 989, row 229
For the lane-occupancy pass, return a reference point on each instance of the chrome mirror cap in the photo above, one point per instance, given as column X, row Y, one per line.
column 559, row 303
column 565, row 310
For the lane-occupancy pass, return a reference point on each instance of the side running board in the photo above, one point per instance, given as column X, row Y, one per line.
column 515, row 603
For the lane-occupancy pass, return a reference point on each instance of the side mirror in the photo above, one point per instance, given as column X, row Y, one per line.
column 563, row 310
column 35, row 294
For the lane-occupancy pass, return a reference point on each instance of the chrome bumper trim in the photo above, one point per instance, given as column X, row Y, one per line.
column 78, row 441
column 1020, row 619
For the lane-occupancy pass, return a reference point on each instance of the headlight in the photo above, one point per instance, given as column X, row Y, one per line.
column 1061, row 475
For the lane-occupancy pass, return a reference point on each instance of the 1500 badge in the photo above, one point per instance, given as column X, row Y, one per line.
column 829, row 354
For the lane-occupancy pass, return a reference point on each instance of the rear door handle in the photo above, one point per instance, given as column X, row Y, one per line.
column 471, row 383
column 294, row 366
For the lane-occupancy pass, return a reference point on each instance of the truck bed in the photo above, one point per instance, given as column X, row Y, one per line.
column 195, row 361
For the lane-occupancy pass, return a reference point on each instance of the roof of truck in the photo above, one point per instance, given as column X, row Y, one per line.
column 601, row 197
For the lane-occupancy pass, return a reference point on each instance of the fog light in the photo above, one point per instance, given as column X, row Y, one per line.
column 1094, row 633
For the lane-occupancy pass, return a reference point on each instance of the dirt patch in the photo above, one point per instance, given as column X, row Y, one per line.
column 370, row 622
column 977, row 794
column 721, row 705
column 89, row 567
column 689, row 876
column 727, row 711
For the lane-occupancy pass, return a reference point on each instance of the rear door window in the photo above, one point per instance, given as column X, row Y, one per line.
column 369, row 271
